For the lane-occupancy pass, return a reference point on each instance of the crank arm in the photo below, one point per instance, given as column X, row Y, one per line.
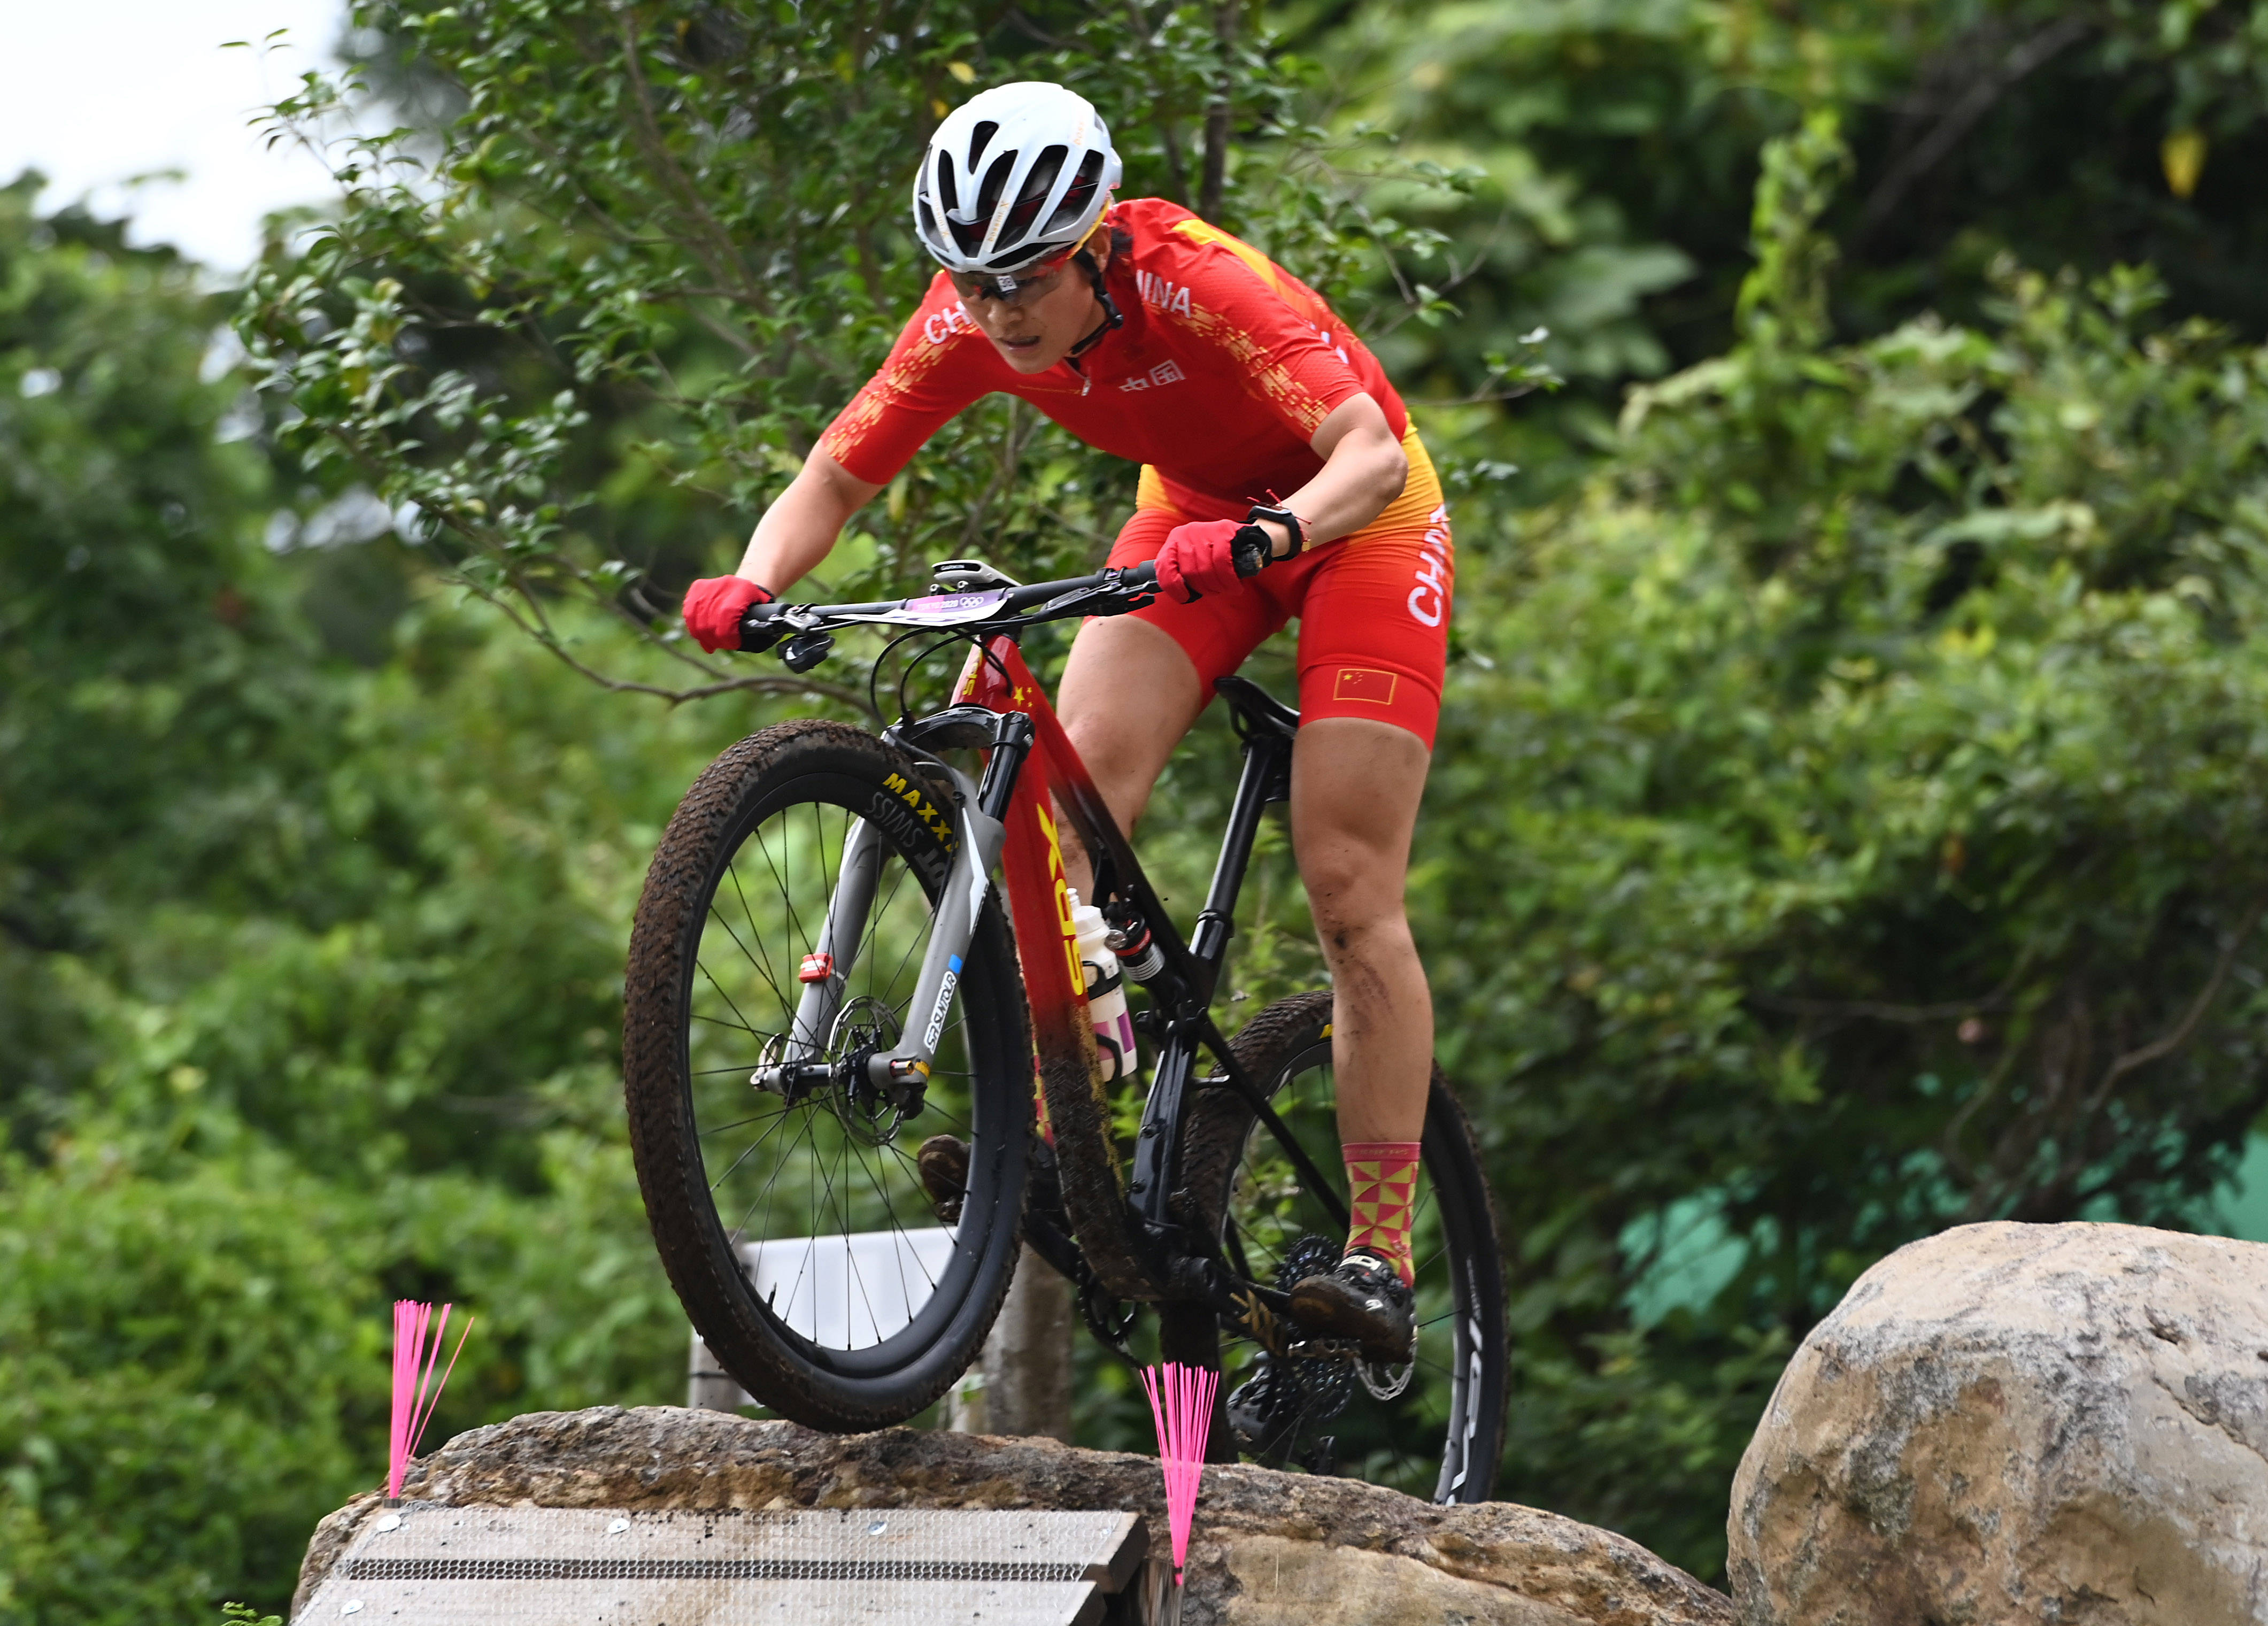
column 1246, row 1308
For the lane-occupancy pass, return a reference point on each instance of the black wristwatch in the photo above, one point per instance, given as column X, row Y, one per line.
column 1284, row 517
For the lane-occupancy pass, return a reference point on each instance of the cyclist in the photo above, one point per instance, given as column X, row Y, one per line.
column 1280, row 478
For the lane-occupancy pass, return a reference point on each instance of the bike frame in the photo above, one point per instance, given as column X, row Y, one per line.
column 1034, row 774
column 1131, row 1233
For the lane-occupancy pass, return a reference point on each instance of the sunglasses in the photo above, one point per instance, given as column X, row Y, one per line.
column 1009, row 291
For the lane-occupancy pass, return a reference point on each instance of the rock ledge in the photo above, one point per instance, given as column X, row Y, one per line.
column 1269, row 1549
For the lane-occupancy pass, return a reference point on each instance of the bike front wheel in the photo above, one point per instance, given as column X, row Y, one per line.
column 1432, row 1428
column 792, row 1217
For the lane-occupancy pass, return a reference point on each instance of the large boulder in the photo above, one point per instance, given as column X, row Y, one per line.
column 1270, row 1548
column 2063, row 1424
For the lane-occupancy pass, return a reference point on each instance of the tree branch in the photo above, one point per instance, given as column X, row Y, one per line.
column 542, row 634
column 1216, row 111
column 1175, row 170
column 1963, row 116
column 2180, row 1033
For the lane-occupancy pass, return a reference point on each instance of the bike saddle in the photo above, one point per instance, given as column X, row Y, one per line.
column 1257, row 711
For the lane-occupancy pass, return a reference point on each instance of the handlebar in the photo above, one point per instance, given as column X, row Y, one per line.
column 805, row 631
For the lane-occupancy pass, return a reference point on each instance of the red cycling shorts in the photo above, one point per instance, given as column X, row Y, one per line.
column 1372, row 607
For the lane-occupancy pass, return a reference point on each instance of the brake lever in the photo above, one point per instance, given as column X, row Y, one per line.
column 1117, row 591
column 806, row 650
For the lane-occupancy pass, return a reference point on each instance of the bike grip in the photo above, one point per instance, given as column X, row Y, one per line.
column 1141, row 578
column 757, row 632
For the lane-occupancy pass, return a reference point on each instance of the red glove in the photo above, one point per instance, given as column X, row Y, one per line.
column 1209, row 555
column 714, row 605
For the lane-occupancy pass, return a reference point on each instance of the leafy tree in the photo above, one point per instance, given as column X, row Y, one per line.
column 1613, row 149
column 121, row 619
column 308, row 970
column 186, row 1371
column 592, row 332
column 1863, row 763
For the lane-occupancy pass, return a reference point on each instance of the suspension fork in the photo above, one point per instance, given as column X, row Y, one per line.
column 904, row 1072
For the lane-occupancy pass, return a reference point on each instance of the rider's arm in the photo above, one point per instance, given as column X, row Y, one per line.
column 935, row 369
column 800, row 526
column 1364, row 469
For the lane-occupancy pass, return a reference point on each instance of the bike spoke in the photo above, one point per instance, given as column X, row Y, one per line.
column 751, row 1151
column 755, row 933
column 787, row 1155
column 737, row 1124
column 702, row 1016
column 726, row 998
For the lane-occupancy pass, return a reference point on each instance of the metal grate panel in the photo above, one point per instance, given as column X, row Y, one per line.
column 526, row 1566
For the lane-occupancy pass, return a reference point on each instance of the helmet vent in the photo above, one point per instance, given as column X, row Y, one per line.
column 1034, row 197
column 1080, row 195
column 989, row 189
column 1015, row 174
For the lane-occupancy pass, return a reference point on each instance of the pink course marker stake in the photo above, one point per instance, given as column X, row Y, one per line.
column 415, row 1354
column 1181, row 1404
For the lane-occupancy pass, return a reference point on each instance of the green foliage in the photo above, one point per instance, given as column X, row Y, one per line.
column 309, row 971
column 419, row 1096
column 1864, row 760
column 1611, row 151
column 122, row 514
column 179, row 1359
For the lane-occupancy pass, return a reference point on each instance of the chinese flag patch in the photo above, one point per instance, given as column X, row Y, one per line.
column 1361, row 683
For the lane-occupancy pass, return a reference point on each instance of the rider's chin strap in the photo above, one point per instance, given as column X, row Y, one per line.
column 1113, row 319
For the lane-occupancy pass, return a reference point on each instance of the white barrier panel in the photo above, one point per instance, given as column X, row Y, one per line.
column 848, row 1292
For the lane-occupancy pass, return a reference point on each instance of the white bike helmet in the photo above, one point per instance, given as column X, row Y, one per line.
column 1014, row 174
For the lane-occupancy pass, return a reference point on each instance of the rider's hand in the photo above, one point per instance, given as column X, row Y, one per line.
column 714, row 607
column 1209, row 555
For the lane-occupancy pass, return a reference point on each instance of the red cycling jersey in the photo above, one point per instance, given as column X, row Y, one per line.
column 1226, row 366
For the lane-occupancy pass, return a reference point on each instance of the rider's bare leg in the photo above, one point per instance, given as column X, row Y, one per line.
column 1356, row 785
column 1128, row 694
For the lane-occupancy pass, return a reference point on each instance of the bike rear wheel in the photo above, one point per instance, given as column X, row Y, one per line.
column 797, row 1231
column 1434, row 1428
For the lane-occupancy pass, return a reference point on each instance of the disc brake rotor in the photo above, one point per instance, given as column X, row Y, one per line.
column 864, row 1029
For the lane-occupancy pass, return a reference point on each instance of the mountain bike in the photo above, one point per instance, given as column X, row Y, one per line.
column 822, row 977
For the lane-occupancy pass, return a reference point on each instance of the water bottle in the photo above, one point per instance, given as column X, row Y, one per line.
column 1106, row 992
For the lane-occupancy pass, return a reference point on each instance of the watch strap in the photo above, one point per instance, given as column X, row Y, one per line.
column 1294, row 525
